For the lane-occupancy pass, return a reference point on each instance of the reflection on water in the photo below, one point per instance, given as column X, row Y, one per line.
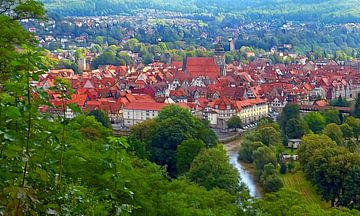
column 245, row 175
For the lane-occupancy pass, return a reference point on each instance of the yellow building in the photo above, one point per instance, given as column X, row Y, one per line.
column 252, row 110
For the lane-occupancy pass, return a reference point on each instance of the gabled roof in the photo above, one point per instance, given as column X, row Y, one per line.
column 202, row 66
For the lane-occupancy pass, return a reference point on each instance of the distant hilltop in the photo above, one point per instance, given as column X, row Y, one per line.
column 293, row 10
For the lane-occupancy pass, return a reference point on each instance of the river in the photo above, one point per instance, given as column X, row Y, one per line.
column 245, row 175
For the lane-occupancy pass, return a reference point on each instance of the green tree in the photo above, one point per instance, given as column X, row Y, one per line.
column 101, row 117
column 269, row 136
column 331, row 116
column 234, row 122
column 295, row 128
column 315, row 121
column 186, row 152
column 272, row 183
column 340, row 102
column 355, row 124
column 99, row 40
column 357, row 106
column 334, row 132
column 106, row 58
column 211, row 169
column 347, row 131
column 290, row 111
column 246, row 150
column 264, row 155
column 170, row 133
column 310, row 143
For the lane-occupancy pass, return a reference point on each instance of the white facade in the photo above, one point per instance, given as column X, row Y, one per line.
column 132, row 116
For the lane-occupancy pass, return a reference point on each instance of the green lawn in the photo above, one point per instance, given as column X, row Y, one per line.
column 296, row 181
column 290, row 151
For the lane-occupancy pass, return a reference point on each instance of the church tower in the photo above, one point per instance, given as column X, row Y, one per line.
column 219, row 57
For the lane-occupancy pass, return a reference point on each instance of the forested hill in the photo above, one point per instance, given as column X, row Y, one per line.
column 301, row 10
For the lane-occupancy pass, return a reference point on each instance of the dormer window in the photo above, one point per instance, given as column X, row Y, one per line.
column 216, row 106
column 228, row 107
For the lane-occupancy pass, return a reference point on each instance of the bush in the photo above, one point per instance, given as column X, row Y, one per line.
column 272, row 183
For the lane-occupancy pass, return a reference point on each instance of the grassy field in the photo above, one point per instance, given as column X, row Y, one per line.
column 296, row 181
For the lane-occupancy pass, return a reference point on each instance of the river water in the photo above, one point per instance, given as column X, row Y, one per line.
column 246, row 176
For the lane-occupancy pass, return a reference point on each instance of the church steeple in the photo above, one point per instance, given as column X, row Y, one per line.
column 219, row 56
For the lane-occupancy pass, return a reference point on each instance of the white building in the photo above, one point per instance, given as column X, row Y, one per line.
column 137, row 111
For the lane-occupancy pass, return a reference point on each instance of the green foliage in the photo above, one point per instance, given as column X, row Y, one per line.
column 347, row 131
column 139, row 148
column 262, row 156
column 331, row 116
column 355, row 124
column 163, row 135
column 268, row 136
column 339, row 102
column 186, row 152
column 272, row 183
column 331, row 169
column 289, row 202
column 106, row 58
column 101, row 117
column 334, row 10
column 357, row 106
column 246, row 150
column 334, row 132
column 295, row 128
column 315, row 121
column 211, row 169
column 234, row 122
column 290, row 111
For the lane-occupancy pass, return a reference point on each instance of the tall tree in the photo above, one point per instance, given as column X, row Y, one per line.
column 269, row 136
column 186, row 152
column 334, row 132
column 101, row 117
column 290, row 111
column 357, row 106
column 315, row 121
column 211, row 169
column 234, row 122
column 295, row 128
column 331, row 116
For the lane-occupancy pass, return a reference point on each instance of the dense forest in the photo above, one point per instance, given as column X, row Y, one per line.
column 309, row 10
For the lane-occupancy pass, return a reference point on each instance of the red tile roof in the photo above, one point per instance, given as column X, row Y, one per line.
column 202, row 66
column 153, row 106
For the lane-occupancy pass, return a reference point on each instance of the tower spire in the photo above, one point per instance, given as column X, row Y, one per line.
column 219, row 56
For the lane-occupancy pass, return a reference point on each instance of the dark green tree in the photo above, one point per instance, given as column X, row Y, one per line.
column 186, row 152
column 234, row 122
column 211, row 169
column 272, row 183
column 357, row 106
column 290, row 111
column 101, row 117
column 295, row 128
